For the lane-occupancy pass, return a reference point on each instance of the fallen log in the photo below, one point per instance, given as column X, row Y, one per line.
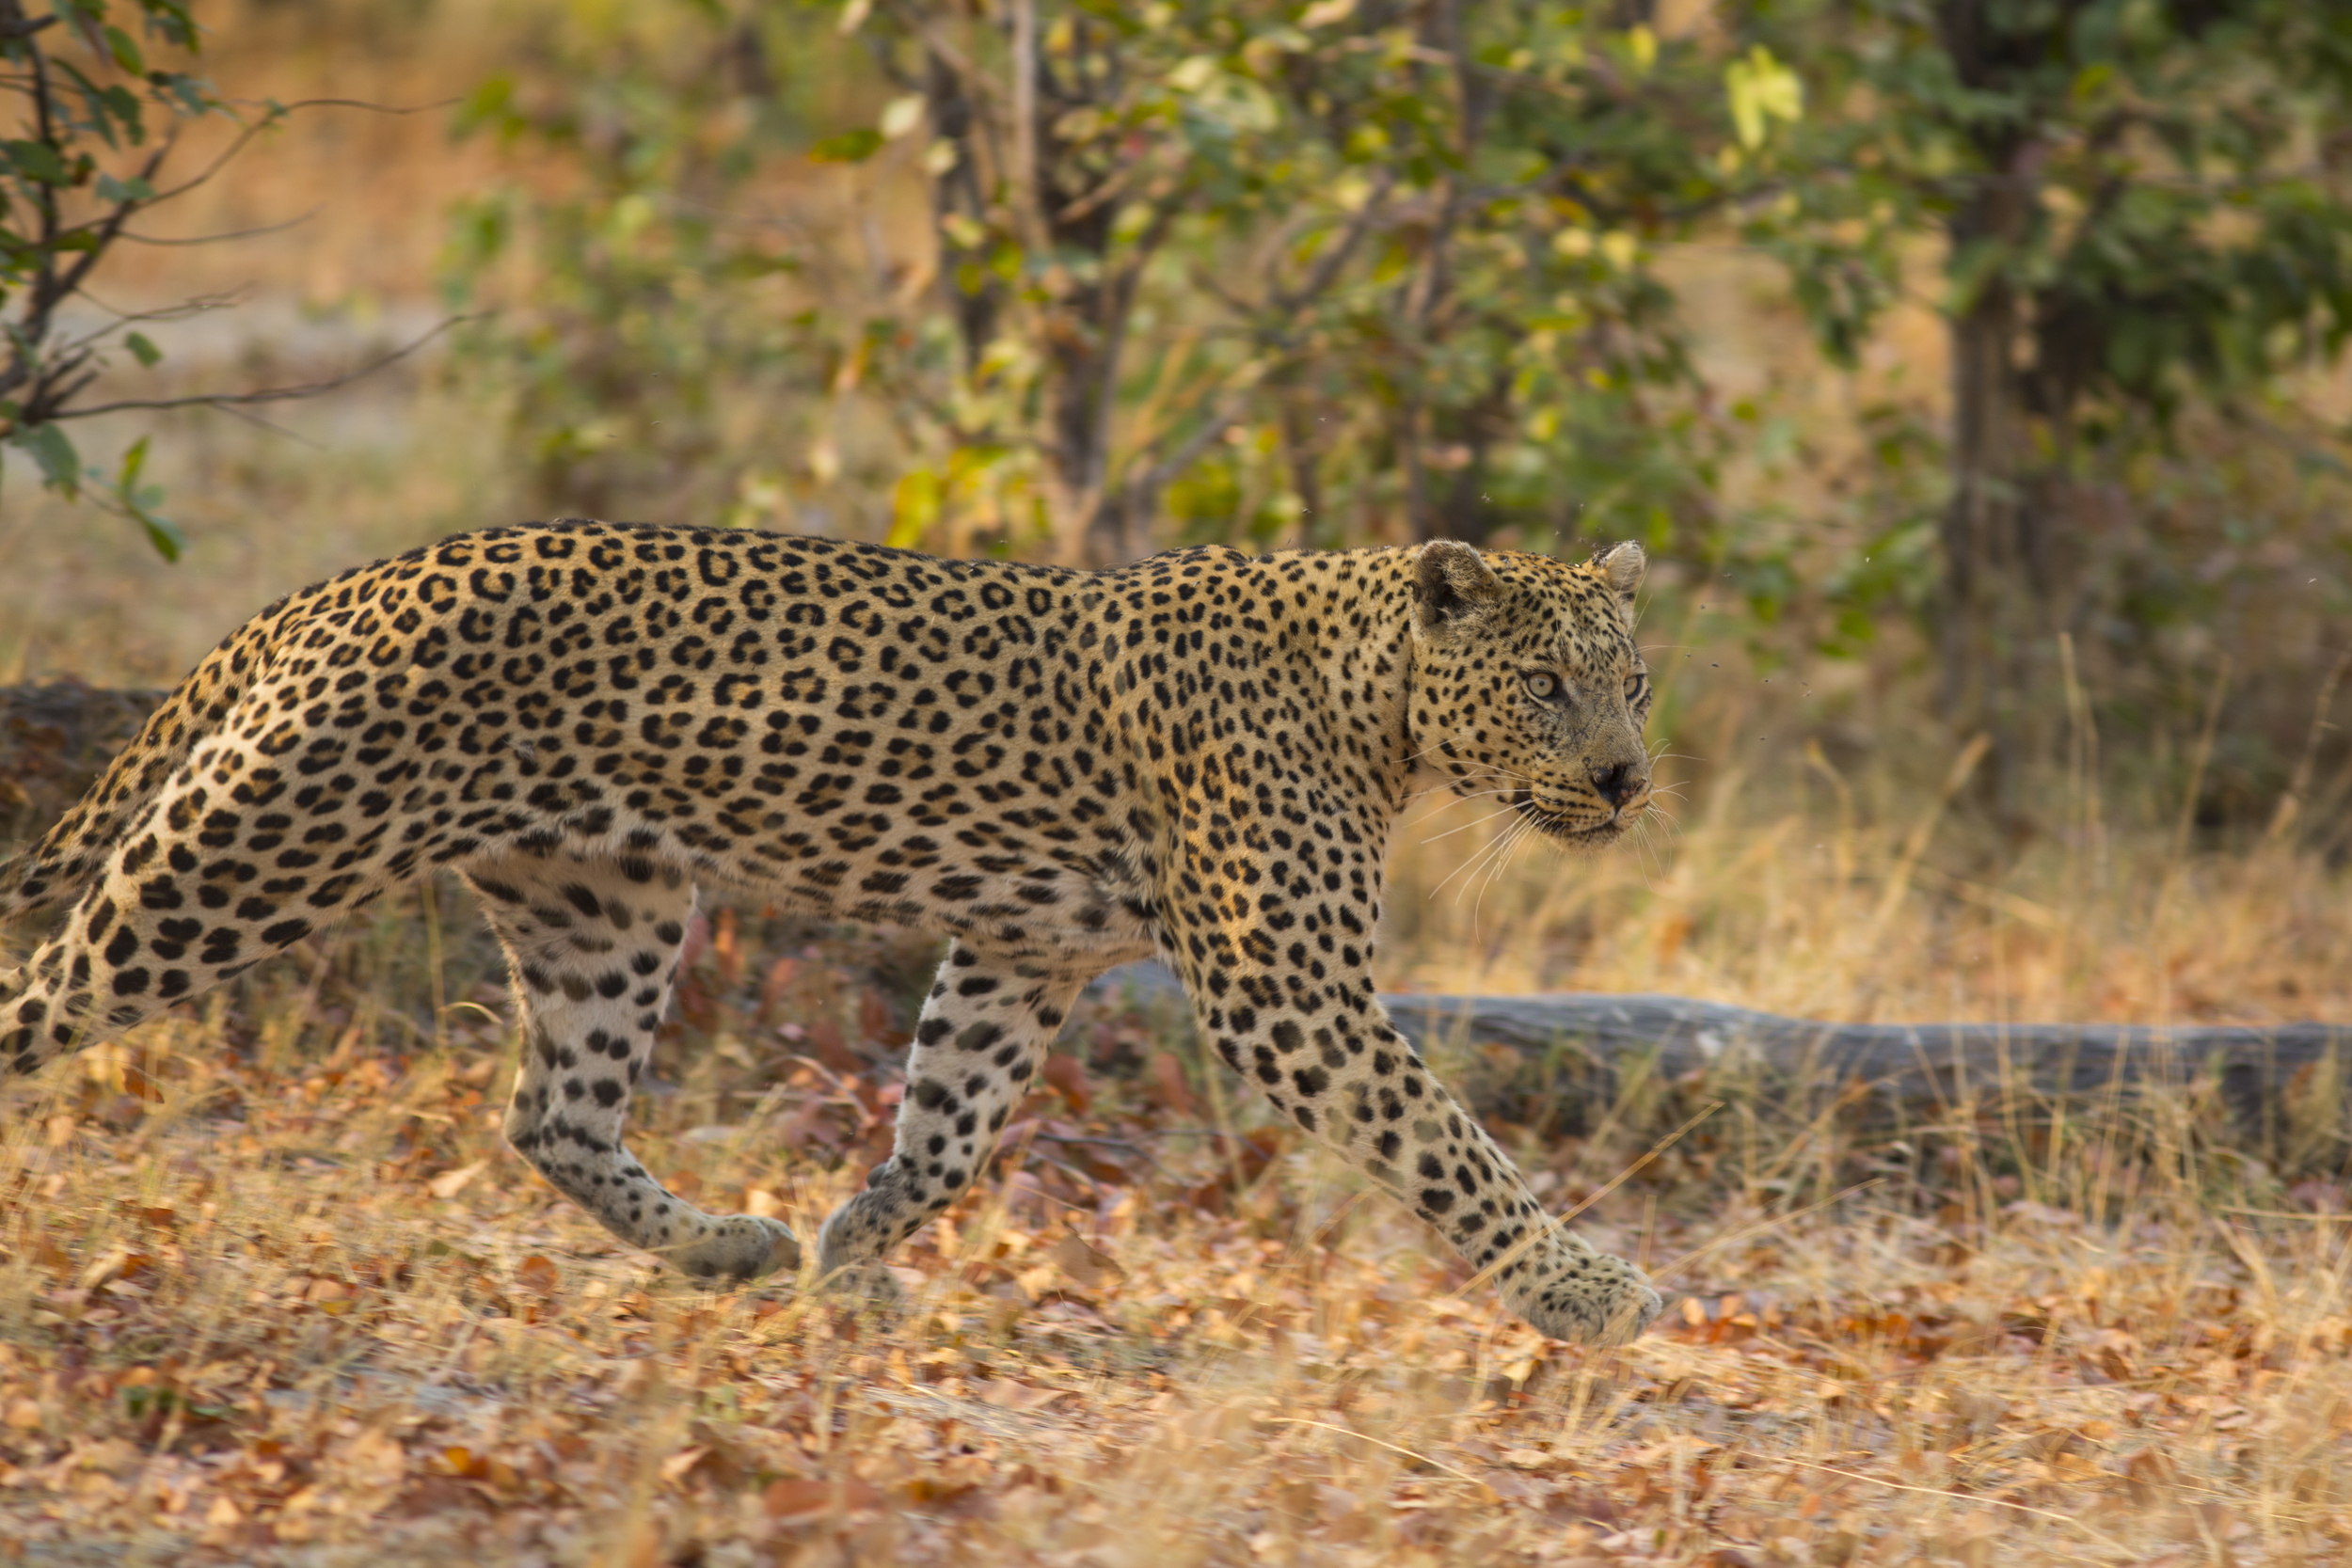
column 55, row 738
column 1553, row 1060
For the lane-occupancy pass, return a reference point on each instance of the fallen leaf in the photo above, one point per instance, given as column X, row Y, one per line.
column 537, row 1275
column 2323, row 1198
column 874, row 1022
column 372, row 1459
column 1086, row 1266
column 787, row 1500
column 102, row 1269
column 1006, row 1394
column 826, row 1044
column 1166, row 1076
column 1067, row 1075
column 726, row 946
column 771, row 989
column 462, row 1461
column 451, row 1182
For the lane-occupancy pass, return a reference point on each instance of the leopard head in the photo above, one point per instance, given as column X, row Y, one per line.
column 1527, row 686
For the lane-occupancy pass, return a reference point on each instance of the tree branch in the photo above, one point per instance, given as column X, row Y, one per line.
column 222, row 238
column 1327, row 267
column 267, row 394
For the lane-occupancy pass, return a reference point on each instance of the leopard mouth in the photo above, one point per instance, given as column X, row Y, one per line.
column 1576, row 829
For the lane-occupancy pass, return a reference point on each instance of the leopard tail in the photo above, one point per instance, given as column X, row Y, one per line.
column 63, row 858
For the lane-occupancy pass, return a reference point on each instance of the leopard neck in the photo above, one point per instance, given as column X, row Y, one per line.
column 1353, row 609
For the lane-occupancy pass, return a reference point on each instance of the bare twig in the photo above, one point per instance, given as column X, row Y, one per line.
column 269, row 394
column 2299, row 784
column 222, row 238
column 2197, row 764
column 1026, row 198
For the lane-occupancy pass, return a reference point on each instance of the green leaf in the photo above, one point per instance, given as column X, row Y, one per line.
column 1194, row 73
column 132, row 189
column 491, row 105
column 1761, row 90
column 169, row 19
column 125, row 51
column 914, row 508
column 1642, row 44
column 60, row 464
column 163, row 533
column 193, row 96
column 125, row 108
column 851, row 147
column 38, row 161
column 138, row 501
column 145, row 352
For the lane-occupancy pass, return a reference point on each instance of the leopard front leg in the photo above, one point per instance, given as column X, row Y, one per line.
column 1300, row 1017
column 1329, row 1059
column 985, row 1029
column 593, row 945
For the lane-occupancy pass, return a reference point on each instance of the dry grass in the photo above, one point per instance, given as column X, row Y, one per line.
column 274, row 1292
column 1791, row 887
column 254, row 1308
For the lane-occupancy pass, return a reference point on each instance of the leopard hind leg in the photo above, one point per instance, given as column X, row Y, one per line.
column 172, row 908
column 594, row 943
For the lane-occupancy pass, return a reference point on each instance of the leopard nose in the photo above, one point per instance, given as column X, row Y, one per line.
column 1619, row 783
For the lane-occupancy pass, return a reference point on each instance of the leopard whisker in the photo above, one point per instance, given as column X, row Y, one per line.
column 1500, row 811
column 1493, row 850
column 1500, row 865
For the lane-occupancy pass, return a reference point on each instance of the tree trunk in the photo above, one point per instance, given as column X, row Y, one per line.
column 1994, row 609
column 1013, row 170
column 1983, row 521
column 55, row 739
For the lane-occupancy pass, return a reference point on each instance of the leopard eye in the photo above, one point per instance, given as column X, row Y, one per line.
column 1633, row 684
column 1541, row 687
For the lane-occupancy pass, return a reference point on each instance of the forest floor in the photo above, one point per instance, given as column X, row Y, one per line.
column 273, row 1291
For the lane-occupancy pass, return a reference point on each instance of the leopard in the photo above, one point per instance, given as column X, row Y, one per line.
column 1200, row 757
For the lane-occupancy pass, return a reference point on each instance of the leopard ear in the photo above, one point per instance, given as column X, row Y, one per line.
column 1452, row 585
column 1622, row 566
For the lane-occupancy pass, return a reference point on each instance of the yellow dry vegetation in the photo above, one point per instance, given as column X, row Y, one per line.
column 272, row 1291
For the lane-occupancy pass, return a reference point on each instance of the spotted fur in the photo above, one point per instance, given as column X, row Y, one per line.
column 1199, row 756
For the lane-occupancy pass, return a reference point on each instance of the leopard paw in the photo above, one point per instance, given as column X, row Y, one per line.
column 1591, row 1299
column 861, row 1285
column 739, row 1247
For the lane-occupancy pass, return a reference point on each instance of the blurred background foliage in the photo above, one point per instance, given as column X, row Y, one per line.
column 1089, row 280
column 1082, row 280
column 1969, row 366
